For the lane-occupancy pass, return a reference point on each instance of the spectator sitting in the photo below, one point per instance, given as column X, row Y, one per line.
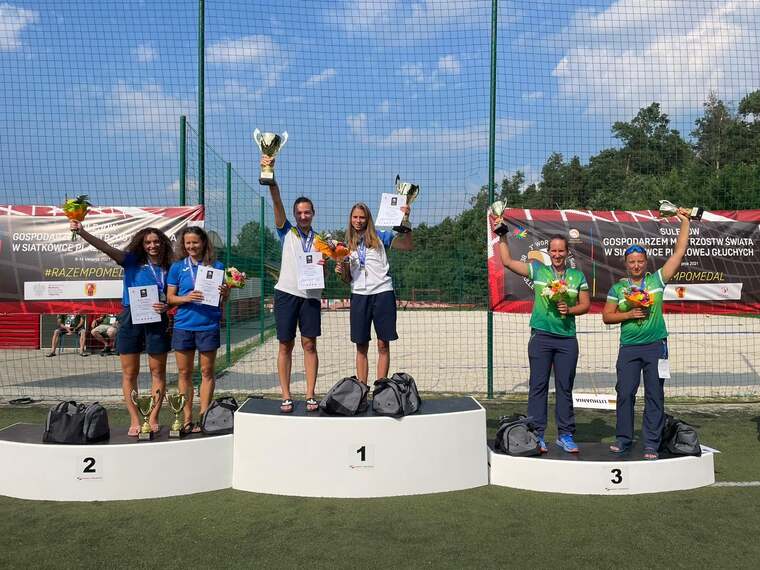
column 104, row 329
column 69, row 325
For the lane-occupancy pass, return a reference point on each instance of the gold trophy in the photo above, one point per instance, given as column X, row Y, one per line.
column 145, row 405
column 176, row 403
column 269, row 144
column 668, row 209
column 410, row 192
column 496, row 210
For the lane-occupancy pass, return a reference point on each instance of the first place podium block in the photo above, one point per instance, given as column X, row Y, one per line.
column 441, row 448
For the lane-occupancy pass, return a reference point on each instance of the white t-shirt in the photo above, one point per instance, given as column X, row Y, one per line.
column 292, row 246
column 373, row 277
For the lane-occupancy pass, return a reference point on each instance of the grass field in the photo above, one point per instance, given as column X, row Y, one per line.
column 486, row 527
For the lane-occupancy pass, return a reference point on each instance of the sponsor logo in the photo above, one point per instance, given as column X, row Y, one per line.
column 89, row 289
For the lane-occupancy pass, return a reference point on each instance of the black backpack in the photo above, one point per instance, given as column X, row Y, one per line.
column 347, row 398
column 679, row 438
column 219, row 418
column 517, row 436
column 72, row 423
column 396, row 396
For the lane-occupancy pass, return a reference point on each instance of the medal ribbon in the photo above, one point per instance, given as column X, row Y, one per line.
column 306, row 239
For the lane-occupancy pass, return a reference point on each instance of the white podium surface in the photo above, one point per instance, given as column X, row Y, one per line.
column 119, row 469
column 596, row 471
column 441, row 448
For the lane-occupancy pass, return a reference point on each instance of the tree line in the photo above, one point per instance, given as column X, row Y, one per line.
column 717, row 167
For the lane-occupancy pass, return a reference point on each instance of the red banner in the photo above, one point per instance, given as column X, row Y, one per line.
column 45, row 271
column 719, row 274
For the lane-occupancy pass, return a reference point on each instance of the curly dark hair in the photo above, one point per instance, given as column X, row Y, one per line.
column 208, row 255
column 136, row 248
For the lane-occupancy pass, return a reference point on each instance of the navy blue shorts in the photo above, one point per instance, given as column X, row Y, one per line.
column 379, row 309
column 202, row 341
column 290, row 310
column 153, row 338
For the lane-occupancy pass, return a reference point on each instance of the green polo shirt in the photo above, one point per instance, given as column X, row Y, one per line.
column 641, row 331
column 545, row 316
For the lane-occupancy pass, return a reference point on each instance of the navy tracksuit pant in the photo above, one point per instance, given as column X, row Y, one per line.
column 633, row 360
column 546, row 352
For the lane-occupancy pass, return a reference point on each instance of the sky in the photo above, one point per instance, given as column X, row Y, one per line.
column 367, row 89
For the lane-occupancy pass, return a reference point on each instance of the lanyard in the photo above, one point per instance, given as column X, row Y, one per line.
column 639, row 286
column 159, row 277
column 558, row 276
column 306, row 239
column 361, row 252
column 190, row 266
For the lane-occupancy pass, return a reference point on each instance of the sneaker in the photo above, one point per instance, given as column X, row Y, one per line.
column 567, row 443
column 542, row 445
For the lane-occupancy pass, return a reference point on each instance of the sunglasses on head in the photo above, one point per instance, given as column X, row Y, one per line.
column 635, row 248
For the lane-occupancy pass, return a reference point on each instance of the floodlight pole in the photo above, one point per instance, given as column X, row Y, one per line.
column 201, row 104
column 491, row 181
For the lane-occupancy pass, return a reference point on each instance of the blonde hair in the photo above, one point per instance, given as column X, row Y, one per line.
column 371, row 238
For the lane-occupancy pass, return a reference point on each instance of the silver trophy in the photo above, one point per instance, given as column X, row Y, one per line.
column 269, row 144
column 669, row 209
column 410, row 191
column 496, row 210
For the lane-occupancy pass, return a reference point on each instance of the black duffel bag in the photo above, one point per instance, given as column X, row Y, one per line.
column 396, row 396
column 517, row 436
column 679, row 438
column 72, row 423
column 347, row 398
column 219, row 418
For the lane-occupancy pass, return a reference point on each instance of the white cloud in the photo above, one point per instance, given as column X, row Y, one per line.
column 401, row 22
column 191, row 185
column 413, row 71
column 623, row 58
column 145, row 53
column 13, row 20
column 449, row 65
column 453, row 139
column 533, row 96
column 320, row 77
column 146, row 109
column 248, row 49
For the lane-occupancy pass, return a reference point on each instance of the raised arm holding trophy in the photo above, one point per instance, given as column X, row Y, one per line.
column 668, row 210
column 496, row 211
column 269, row 144
column 410, row 192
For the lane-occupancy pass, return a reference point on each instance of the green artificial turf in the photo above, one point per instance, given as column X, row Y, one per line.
column 486, row 527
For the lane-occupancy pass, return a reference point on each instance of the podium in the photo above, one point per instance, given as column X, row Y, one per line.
column 597, row 471
column 310, row 454
column 119, row 469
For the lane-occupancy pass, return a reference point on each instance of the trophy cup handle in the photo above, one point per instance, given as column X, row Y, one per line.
column 257, row 137
column 284, row 137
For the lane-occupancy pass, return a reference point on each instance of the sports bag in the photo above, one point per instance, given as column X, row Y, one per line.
column 219, row 418
column 396, row 396
column 517, row 436
column 347, row 398
column 72, row 423
column 679, row 438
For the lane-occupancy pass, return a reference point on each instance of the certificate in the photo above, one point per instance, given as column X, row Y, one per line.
column 207, row 281
column 390, row 213
column 141, row 301
column 311, row 275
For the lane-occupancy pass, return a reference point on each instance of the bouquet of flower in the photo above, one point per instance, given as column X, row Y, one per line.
column 234, row 278
column 76, row 209
column 329, row 247
column 556, row 292
column 638, row 298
